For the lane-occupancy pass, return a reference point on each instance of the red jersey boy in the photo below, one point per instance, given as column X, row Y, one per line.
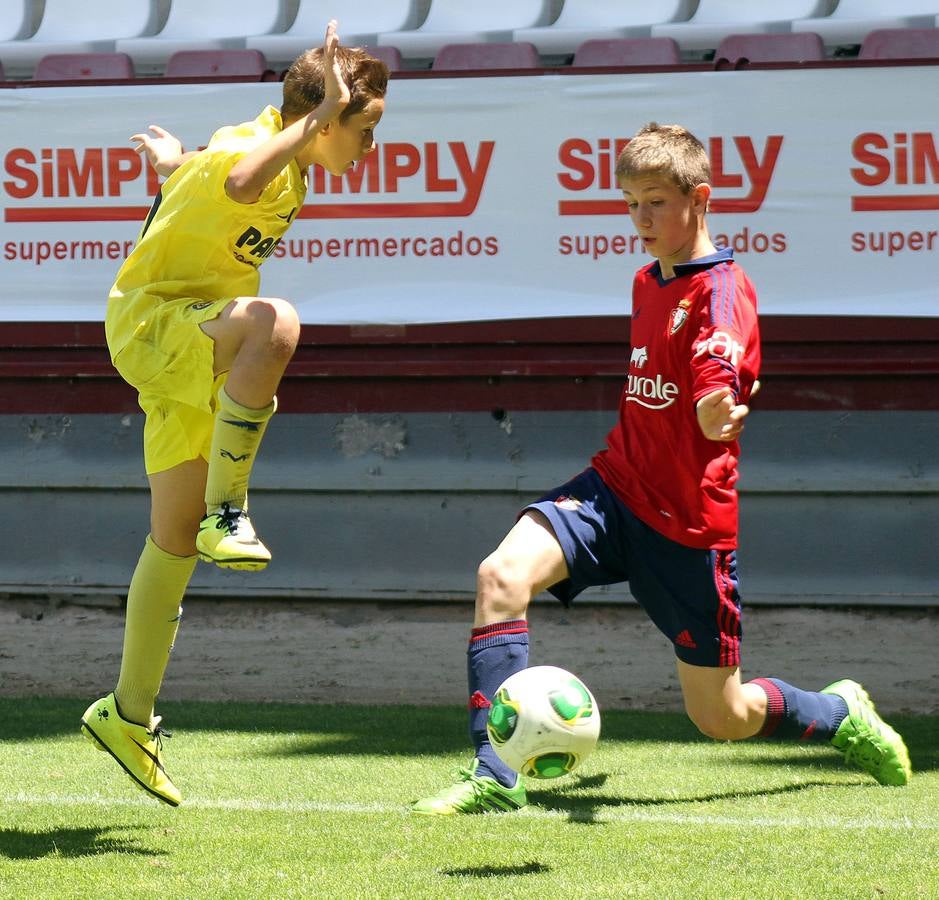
column 657, row 508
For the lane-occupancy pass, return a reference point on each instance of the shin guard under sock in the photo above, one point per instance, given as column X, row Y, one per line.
column 153, row 613
column 235, row 440
column 794, row 714
column 495, row 652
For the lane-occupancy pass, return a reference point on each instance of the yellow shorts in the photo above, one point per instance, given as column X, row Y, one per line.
column 169, row 359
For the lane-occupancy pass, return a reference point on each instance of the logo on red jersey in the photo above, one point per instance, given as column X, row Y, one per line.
column 652, row 393
column 723, row 346
column 678, row 316
column 638, row 357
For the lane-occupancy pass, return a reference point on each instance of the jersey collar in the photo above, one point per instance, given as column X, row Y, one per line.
column 722, row 254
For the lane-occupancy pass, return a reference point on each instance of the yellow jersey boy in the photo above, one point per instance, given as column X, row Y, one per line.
column 187, row 328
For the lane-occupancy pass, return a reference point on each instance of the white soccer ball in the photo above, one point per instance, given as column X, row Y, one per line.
column 544, row 722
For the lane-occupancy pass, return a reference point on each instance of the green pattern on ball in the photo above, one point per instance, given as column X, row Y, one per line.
column 503, row 718
column 571, row 702
column 551, row 765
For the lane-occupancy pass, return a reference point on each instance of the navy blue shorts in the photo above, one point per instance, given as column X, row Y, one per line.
column 691, row 595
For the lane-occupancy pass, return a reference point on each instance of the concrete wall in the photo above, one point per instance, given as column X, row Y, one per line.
column 836, row 507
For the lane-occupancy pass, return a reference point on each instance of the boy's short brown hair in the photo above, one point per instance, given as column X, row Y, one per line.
column 304, row 82
column 668, row 150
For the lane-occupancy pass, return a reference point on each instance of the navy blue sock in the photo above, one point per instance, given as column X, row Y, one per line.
column 495, row 652
column 794, row 714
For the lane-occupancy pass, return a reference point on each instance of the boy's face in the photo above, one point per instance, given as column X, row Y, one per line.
column 340, row 145
column 665, row 217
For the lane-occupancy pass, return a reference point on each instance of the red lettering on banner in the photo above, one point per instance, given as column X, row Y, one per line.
column 585, row 167
column 391, row 167
column 17, row 165
column 401, row 161
column 98, row 172
column 123, row 166
column 79, row 179
column 898, row 160
column 432, row 179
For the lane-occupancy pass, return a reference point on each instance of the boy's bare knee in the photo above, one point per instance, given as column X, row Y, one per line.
column 500, row 592
column 179, row 539
column 276, row 323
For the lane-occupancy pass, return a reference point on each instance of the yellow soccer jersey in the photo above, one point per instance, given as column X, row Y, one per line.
column 199, row 243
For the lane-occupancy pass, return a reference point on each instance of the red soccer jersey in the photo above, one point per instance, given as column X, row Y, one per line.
column 690, row 335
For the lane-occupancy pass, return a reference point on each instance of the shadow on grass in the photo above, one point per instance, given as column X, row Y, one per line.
column 529, row 868
column 68, row 843
column 330, row 730
column 584, row 808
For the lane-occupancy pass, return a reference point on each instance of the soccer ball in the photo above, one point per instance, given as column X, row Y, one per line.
column 544, row 722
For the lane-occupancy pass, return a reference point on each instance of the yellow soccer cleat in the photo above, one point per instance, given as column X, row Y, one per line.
column 137, row 748
column 227, row 539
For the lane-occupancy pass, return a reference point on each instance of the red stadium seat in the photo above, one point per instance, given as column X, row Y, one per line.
column 628, row 52
column 390, row 56
column 210, row 63
column 496, row 55
column 739, row 49
column 76, row 66
column 851, row 20
column 901, row 43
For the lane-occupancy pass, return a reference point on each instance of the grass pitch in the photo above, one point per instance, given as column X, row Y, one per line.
column 312, row 801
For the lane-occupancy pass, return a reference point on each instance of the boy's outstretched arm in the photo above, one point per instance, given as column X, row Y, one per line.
column 163, row 149
column 254, row 171
column 720, row 417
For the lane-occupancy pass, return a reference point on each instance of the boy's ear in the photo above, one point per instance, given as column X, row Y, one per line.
column 700, row 197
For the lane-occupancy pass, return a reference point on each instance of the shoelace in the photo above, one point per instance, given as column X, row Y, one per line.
column 158, row 733
column 228, row 519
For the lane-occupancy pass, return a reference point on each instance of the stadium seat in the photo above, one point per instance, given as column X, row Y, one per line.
column 852, row 20
column 901, row 43
column 216, row 63
column 94, row 27
column 20, row 19
column 648, row 51
column 585, row 20
column 509, row 55
column 463, row 22
column 360, row 21
column 739, row 49
column 77, row 66
column 713, row 20
column 390, row 56
column 204, row 25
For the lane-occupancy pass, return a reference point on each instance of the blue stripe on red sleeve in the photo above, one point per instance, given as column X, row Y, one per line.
column 722, row 295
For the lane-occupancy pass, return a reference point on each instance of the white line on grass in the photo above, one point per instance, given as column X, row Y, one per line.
column 387, row 809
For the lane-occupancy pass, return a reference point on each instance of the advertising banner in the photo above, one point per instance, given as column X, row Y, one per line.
column 494, row 197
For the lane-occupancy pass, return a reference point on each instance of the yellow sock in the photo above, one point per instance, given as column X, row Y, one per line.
column 153, row 611
column 235, row 440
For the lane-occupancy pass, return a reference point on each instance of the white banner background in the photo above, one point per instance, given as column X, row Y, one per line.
column 478, row 201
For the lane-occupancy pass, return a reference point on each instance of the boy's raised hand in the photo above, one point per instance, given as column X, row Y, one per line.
column 164, row 150
column 337, row 91
column 719, row 418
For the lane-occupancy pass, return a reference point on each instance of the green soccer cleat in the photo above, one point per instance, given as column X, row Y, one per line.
column 227, row 539
column 137, row 748
column 866, row 740
column 473, row 794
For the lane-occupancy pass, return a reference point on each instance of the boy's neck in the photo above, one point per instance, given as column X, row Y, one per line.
column 701, row 246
